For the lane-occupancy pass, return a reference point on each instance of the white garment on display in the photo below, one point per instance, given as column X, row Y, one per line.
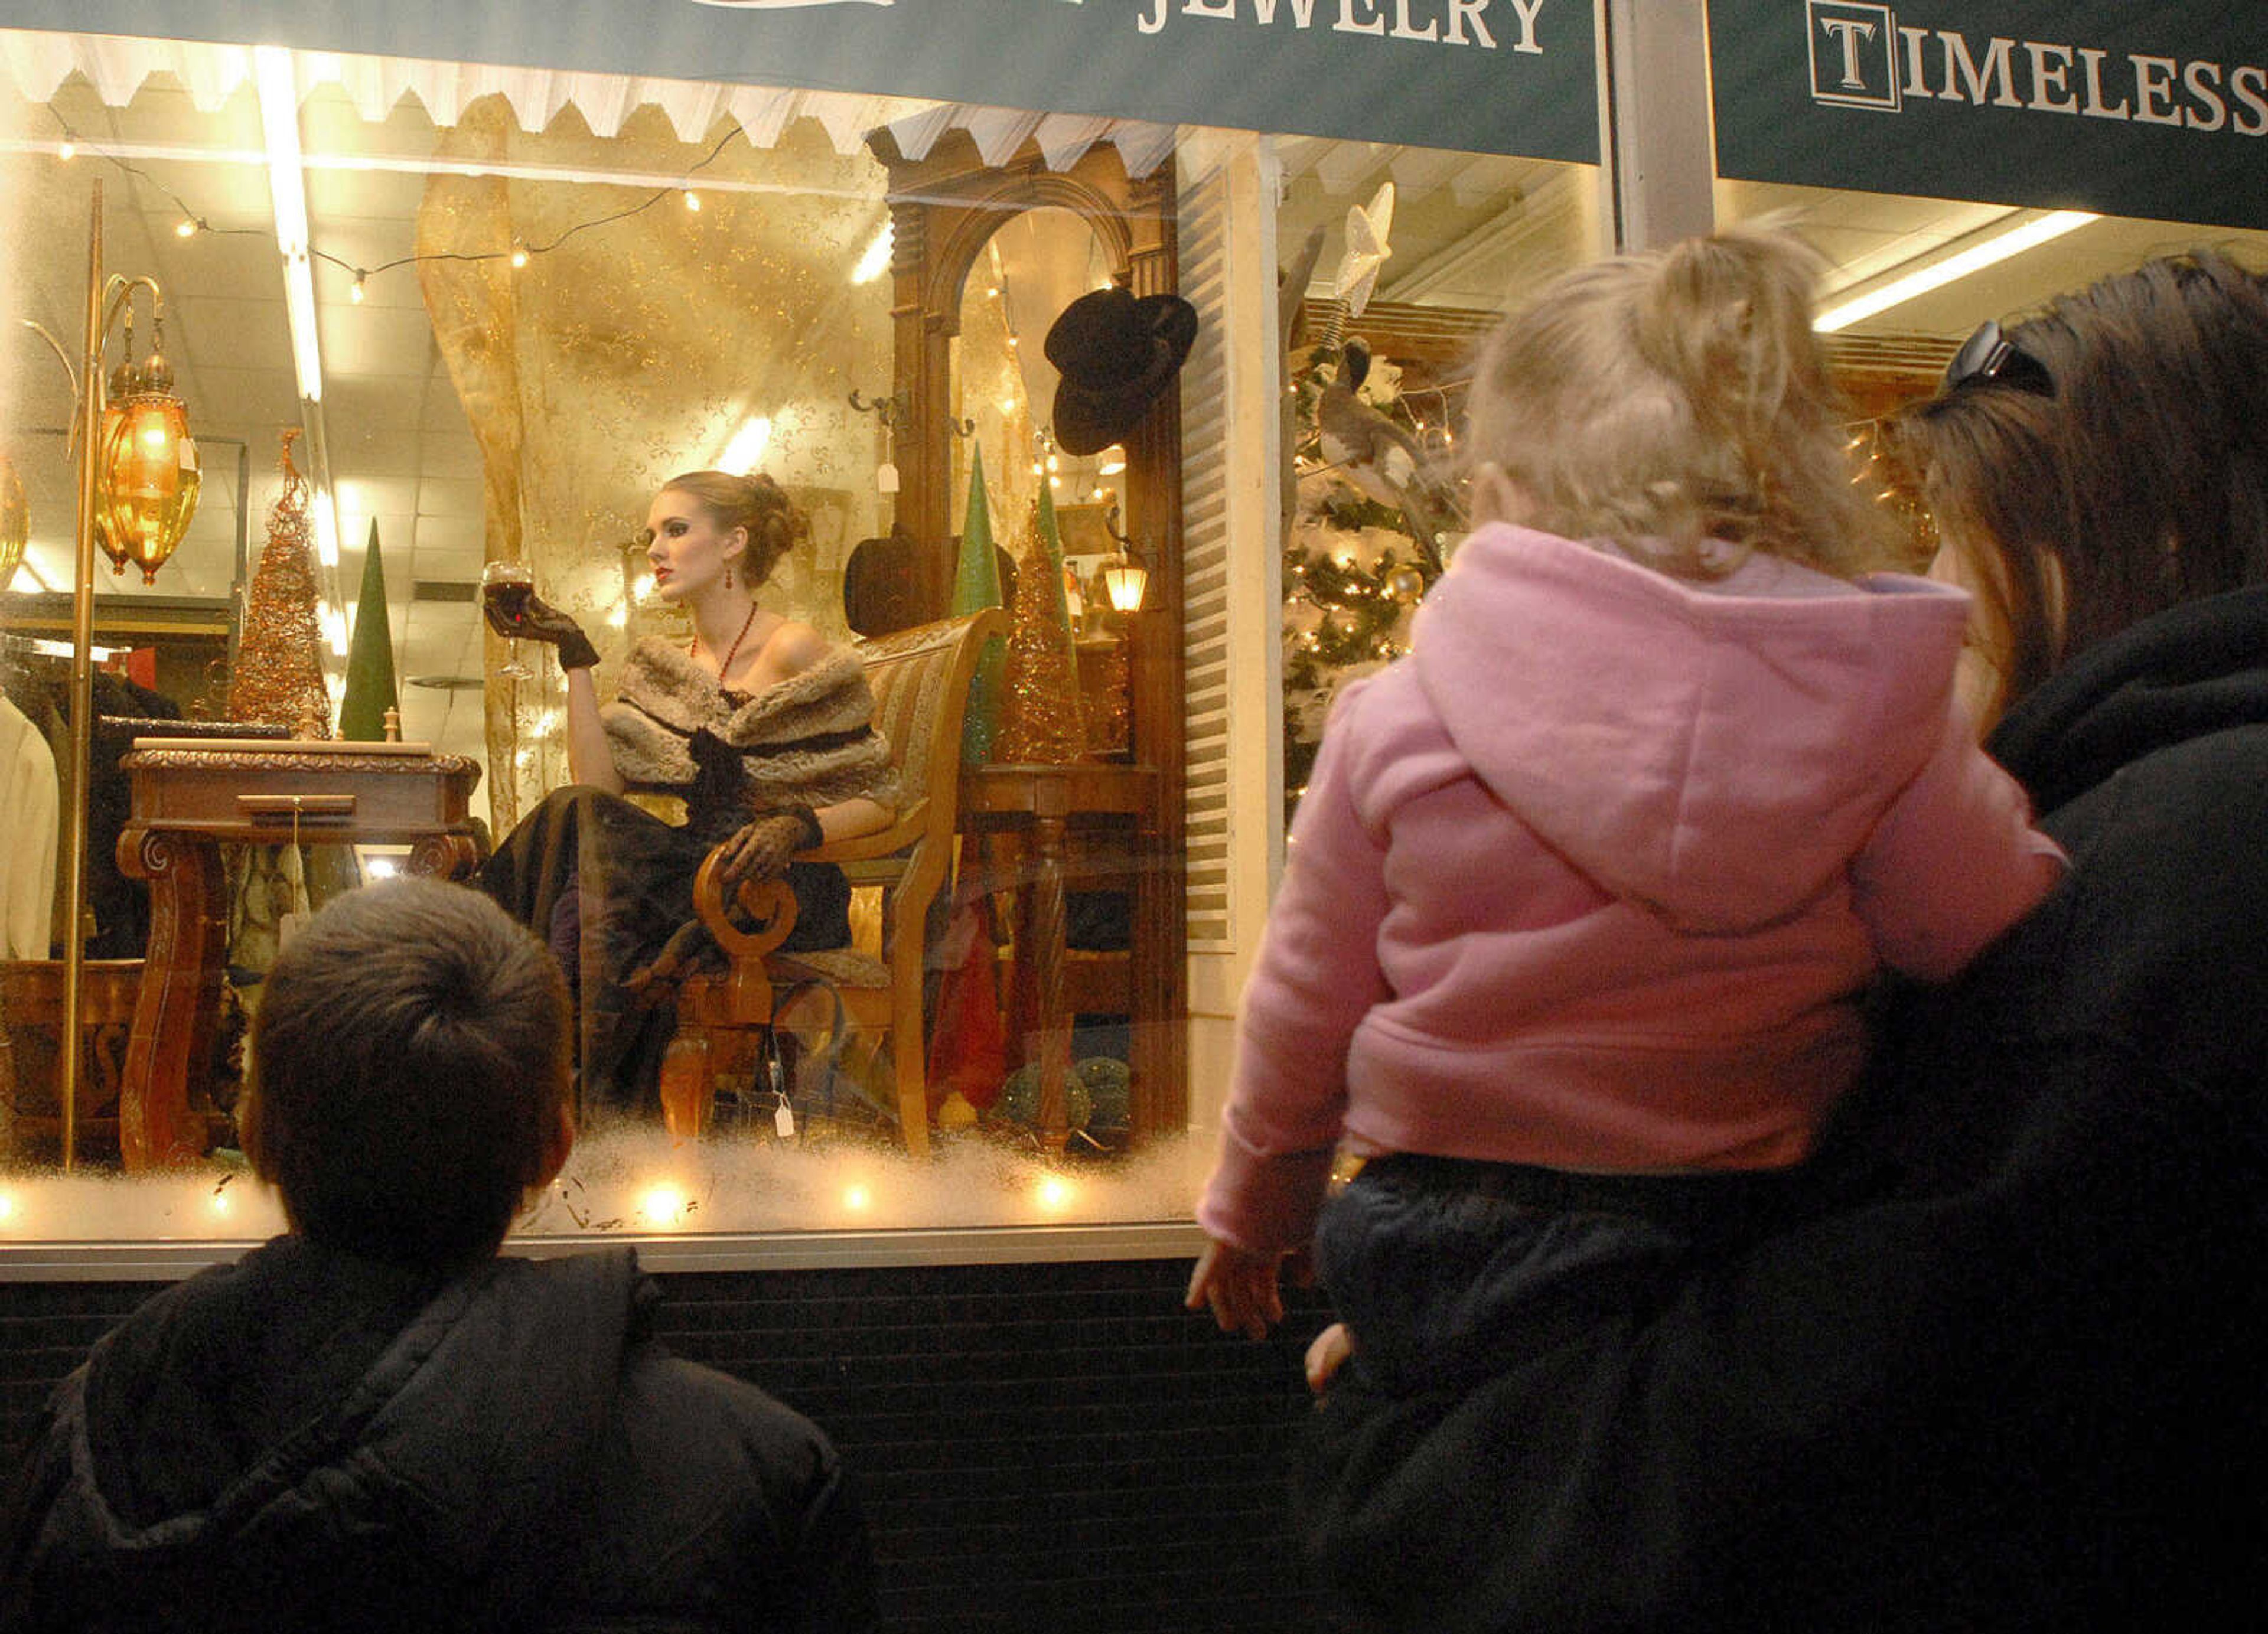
column 28, row 812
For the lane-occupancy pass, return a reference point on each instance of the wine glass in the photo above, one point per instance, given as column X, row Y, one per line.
column 506, row 586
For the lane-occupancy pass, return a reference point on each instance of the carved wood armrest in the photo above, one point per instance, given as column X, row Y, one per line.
column 767, row 903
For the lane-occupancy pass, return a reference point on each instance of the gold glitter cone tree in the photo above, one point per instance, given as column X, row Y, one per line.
column 1041, row 724
column 278, row 678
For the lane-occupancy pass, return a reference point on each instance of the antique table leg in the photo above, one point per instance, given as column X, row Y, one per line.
column 169, row 1059
column 1041, row 937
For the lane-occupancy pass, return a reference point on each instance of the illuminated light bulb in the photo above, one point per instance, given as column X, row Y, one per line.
column 1055, row 482
column 1053, row 464
column 220, row 1203
column 356, row 293
column 1013, row 340
column 663, row 1204
column 519, row 255
column 1007, row 405
column 692, row 200
column 1037, row 468
column 1054, row 1193
column 857, row 1198
column 66, row 151
column 7, row 1206
column 185, row 228
column 994, row 291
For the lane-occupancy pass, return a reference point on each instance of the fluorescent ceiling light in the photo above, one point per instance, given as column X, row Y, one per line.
column 327, row 528
column 287, row 191
column 876, row 260
column 26, row 565
column 746, row 452
column 1986, row 252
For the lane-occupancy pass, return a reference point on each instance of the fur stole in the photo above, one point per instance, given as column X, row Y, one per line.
column 809, row 739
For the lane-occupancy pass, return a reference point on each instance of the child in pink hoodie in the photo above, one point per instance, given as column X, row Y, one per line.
column 1580, row 898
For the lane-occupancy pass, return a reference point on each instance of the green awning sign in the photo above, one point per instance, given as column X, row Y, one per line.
column 1515, row 77
column 2149, row 110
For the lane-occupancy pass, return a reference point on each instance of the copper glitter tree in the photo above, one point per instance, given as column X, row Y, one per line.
column 278, row 679
column 1041, row 724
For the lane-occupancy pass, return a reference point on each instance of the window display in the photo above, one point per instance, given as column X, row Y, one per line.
column 474, row 356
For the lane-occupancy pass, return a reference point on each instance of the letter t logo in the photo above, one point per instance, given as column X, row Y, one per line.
column 1851, row 45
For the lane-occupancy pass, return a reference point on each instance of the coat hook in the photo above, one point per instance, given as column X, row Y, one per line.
column 895, row 410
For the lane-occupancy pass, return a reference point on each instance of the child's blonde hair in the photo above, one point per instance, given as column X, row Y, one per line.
column 1664, row 401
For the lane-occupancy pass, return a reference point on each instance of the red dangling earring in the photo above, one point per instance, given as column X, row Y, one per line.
column 728, row 579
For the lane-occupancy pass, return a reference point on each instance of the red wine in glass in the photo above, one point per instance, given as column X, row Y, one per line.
column 510, row 599
column 508, row 587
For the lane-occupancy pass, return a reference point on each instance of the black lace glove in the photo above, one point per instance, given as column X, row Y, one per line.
column 760, row 850
column 540, row 621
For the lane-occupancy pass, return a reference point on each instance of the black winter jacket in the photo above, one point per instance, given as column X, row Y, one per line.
column 2010, row 1375
column 307, row 1440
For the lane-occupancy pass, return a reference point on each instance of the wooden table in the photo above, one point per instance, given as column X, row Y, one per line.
column 189, row 797
column 1043, row 804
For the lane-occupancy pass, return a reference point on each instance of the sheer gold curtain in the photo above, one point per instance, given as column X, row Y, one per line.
column 646, row 346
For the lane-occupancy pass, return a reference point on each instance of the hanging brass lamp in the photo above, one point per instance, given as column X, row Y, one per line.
column 15, row 521
column 147, row 477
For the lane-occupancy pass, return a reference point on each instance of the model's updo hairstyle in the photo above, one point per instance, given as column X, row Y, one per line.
column 756, row 503
column 1666, row 401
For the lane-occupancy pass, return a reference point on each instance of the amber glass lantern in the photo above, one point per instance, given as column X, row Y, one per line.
column 147, row 478
column 15, row 521
column 1125, row 581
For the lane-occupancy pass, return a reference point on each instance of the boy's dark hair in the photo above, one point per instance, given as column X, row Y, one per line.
column 409, row 1061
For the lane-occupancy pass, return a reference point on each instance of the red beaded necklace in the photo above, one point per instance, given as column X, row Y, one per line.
column 693, row 646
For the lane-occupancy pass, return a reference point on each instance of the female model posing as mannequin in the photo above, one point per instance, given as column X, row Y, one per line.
column 758, row 722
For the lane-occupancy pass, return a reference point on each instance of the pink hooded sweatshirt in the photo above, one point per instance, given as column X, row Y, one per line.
column 1593, row 879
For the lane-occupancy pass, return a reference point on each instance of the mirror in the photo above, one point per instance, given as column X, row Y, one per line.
column 1036, row 264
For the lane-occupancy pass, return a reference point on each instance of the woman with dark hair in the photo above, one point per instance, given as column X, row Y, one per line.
column 761, row 725
column 2006, row 1373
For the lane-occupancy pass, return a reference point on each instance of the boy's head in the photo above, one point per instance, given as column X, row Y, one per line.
column 410, row 1066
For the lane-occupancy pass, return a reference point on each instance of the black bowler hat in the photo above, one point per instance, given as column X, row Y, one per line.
column 1115, row 355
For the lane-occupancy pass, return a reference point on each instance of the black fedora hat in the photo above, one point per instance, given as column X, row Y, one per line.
column 1115, row 353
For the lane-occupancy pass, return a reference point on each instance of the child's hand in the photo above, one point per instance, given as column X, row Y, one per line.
column 1240, row 1287
column 1327, row 1355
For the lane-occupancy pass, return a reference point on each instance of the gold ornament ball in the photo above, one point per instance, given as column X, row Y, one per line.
column 1405, row 584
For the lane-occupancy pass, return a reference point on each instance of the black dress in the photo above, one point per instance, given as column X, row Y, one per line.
column 606, row 883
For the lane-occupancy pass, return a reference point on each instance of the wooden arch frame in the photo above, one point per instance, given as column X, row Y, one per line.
column 945, row 207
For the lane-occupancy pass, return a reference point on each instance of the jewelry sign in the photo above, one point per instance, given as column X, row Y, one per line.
column 1515, row 77
column 2110, row 105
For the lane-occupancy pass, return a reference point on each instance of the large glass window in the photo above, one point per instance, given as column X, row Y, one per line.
column 424, row 318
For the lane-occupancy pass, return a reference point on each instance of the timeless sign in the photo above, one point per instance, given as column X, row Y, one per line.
column 2123, row 109
column 1481, row 75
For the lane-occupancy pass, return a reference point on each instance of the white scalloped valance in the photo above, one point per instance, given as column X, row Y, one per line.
column 117, row 67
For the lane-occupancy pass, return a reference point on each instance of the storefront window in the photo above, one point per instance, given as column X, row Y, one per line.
column 425, row 318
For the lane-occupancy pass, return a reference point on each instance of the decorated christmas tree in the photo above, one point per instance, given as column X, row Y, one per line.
column 370, row 656
column 278, row 679
column 1374, row 519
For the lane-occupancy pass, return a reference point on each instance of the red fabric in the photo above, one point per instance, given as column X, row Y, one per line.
column 968, row 1049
